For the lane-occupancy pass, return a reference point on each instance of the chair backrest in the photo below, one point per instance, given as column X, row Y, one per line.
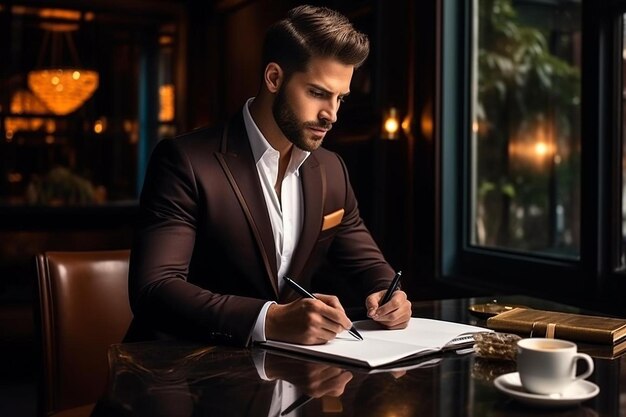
column 84, row 308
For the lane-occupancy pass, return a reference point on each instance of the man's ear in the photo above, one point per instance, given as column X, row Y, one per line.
column 273, row 77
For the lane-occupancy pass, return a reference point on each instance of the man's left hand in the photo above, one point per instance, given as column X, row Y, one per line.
column 395, row 314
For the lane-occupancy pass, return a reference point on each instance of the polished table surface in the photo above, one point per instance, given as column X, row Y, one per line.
column 178, row 379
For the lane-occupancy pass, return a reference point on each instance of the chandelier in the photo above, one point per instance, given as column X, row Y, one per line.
column 62, row 89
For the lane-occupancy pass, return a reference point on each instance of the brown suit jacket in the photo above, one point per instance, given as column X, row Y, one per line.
column 203, row 262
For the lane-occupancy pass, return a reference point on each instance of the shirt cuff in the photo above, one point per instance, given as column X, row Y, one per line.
column 258, row 357
column 258, row 332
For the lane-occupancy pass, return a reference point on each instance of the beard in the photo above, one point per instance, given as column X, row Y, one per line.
column 295, row 131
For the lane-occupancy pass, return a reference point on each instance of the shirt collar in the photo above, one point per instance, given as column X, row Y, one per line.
column 261, row 147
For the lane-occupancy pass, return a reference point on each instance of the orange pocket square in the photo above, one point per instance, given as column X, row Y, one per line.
column 333, row 219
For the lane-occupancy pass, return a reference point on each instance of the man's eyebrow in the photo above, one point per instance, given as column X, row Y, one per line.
column 326, row 91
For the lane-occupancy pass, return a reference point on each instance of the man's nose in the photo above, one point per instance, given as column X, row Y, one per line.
column 329, row 112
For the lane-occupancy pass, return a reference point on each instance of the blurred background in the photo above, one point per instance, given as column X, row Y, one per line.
column 484, row 138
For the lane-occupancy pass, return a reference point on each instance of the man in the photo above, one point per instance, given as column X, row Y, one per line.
column 226, row 213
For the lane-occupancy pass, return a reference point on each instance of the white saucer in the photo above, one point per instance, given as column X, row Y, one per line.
column 580, row 390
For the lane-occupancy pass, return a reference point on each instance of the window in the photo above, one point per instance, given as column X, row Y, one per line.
column 532, row 148
column 525, row 119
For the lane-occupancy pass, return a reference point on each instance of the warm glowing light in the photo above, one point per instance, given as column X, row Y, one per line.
column 51, row 126
column 99, row 126
column 166, row 103
column 391, row 124
column 166, row 40
column 128, row 126
column 131, row 127
column 427, row 127
column 59, row 27
column 23, row 101
column 406, row 125
column 59, row 20
column 16, row 124
column 542, row 149
column 534, row 145
column 62, row 91
column 64, row 14
column 63, row 87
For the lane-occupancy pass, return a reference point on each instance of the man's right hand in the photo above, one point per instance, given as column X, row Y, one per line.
column 313, row 379
column 307, row 321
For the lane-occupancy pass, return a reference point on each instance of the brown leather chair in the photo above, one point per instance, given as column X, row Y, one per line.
column 84, row 308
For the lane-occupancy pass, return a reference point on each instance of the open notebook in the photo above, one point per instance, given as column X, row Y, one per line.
column 382, row 347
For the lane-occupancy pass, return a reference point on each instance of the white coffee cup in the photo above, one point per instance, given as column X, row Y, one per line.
column 548, row 366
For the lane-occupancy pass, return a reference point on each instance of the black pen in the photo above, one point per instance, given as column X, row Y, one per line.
column 394, row 286
column 298, row 288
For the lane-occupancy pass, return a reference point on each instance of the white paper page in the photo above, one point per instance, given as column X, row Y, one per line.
column 419, row 332
column 380, row 347
column 345, row 348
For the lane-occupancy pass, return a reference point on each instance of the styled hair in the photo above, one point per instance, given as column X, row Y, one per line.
column 310, row 31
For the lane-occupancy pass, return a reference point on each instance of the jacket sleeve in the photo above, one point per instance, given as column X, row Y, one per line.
column 160, row 295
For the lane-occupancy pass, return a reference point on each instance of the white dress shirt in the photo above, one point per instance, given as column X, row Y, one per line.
column 286, row 212
column 284, row 394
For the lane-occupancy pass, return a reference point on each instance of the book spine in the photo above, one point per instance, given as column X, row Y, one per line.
column 583, row 334
column 561, row 331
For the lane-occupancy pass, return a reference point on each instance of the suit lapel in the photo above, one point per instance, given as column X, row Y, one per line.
column 314, row 191
column 238, row 164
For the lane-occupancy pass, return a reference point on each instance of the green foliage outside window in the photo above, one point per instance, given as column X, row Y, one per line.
column 526, row 125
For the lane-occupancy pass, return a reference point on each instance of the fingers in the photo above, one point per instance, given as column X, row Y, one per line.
column 318, row 381
column 372, row 301
column 307, row 321
column 298, row 322
column 333, row 310
column 326, row 380
column 395, row 314
column 330, row 300
column 335, row 386
column 326, row 319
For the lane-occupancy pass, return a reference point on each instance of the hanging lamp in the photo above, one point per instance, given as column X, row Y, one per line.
column 62, row 89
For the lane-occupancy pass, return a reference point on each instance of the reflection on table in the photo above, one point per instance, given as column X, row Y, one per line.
column 178, row 379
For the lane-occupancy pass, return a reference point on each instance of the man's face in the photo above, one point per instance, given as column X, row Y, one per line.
column 306, row 105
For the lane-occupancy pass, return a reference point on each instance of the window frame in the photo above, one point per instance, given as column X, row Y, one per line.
column 592, row 276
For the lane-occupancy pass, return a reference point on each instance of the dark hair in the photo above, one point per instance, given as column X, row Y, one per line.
column 310, row 31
